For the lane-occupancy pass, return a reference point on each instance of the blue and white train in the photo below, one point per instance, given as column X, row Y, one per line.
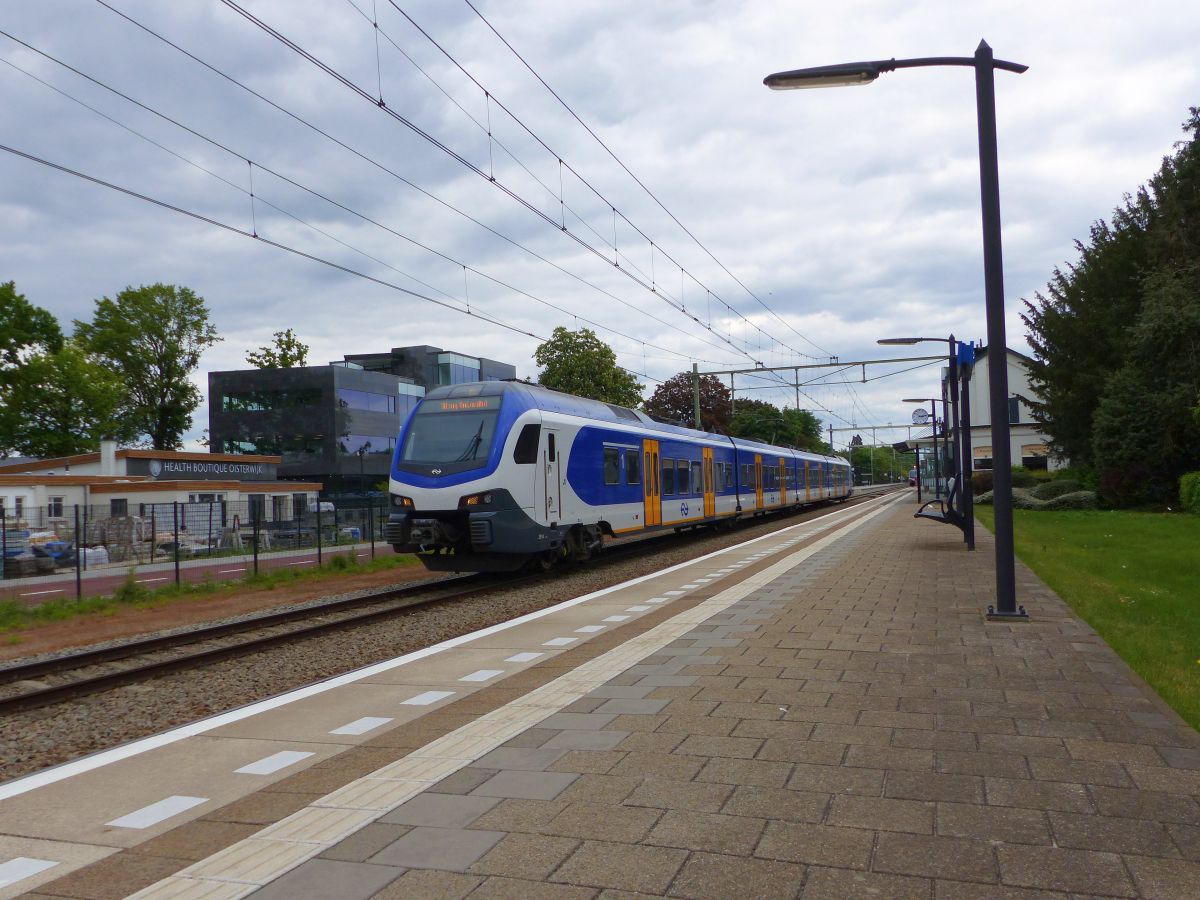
column 494, row 476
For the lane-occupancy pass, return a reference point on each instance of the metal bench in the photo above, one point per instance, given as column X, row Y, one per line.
column 946, row 511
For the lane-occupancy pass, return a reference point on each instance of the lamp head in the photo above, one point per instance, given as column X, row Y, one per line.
column 843, row 75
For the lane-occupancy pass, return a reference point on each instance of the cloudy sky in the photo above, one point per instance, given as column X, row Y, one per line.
column 819, row 220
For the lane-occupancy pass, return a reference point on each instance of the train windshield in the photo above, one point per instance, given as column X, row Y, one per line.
column 453, row 435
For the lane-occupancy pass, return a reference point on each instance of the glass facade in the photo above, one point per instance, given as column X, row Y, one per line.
column 368, row 401
column 454, row 368
column 264, row 400
column 366, row 444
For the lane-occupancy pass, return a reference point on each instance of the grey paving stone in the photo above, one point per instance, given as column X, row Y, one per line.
column 463, row 781
column 453, row 849
column 528, row 759
column 821, row 845
column 1112, row 835
column 1165, row 879
column 708, row 876
column 365, row 842
column 710, row 832
column 655, row 681
column 622, row 867
column 430, row 883
column 1053, row 868
column 935, row 857
column 847, row 884
column 525, row 785
column 529, row 856
column 519, row 889
column 645, row 707
column 320, row 879
column 585, row 740
column 440, row 810
column 578, row 721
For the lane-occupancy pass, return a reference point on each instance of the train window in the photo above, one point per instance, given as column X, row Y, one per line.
column 612, row 465
column 668, row 476
column 681, row 479
column 525, row 452
column 550, row 446
column 697, row 482
column 633, row 470
column 729, row 475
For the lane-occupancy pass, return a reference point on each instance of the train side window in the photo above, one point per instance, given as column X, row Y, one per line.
column 729, row 475
column 697, row 480
column 633, row 471
column 525, row 452
column 550, row 447
column 612, row 465
column 681, row 479
column 668, row 476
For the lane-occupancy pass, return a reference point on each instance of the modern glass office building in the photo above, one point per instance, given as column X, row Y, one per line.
column 336, row 423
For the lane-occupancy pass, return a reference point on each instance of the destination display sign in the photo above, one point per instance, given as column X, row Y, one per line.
column 465, row 404
column 196, row 470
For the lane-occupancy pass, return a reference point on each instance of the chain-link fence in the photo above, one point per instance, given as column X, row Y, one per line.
column 64, row 550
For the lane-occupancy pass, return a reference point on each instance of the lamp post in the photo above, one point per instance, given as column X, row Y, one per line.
column 984, row 64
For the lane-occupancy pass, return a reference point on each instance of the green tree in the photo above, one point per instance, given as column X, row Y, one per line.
column 25, row 330
column 152, row 336
column 759, row 421
column 674, row 400
column 287, row 352
column 1145, row 435
column 67, row 403
column 578, row 362
column 1080, row 329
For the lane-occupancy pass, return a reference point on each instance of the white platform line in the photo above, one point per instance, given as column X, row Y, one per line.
column 590, row 629
column 268, row 765
column 559, row 642
column 36, row 780
column 148, row 580
column 157, row 812
column 482, row 675
column 362, row 726
column 227, row 571
column 638, row 608
column 524, row 657
column 674, row 593
column 616, row 618
column 303, row 562
column 38, row 594
column 427, row 698
column 23, row 867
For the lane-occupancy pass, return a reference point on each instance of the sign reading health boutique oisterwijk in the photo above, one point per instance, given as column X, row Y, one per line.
column 201, row 470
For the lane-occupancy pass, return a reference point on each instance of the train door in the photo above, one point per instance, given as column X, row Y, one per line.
column 807, row 483
column 710, row 496
column 651, row 489
column 551, row 484
column 783, row 474
column 758, row 481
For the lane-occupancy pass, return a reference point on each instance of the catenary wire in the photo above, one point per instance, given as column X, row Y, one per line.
column 639, row 182
column 394, row 174
column 258, row 196
column 233, row 229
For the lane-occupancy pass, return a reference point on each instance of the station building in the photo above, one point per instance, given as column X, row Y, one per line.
column 336, row 423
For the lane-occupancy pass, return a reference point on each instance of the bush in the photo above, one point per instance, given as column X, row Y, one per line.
column 130, row 590
column 1050, row 489
column 1189, row 492
column 341, row 562
column 1023, row 477
column 981, row 482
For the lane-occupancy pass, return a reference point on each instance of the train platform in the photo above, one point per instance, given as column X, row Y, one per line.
column 821, row 712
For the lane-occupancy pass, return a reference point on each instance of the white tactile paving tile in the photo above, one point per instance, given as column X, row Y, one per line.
column 524, row 657
column 590, row 629
column 482, row 675
column 616, row 618
column 559, row 642
column 23, row 867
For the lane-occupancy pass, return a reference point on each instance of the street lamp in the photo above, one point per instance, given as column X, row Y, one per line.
column 984, row 65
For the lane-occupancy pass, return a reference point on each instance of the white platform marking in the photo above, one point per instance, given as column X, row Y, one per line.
column 361, row 726
column 427, row 698
column 227, row 571
column 674, row 593
column 22, row 867
column 148, row 580
column 590, row 629
column 690, row 587
column 482, row 675
column 559, row 642
column 38, row 594
column 636, row 608
column 270, row 764
column 157, row 812
column 616, row 618
column 657, row 600
column 524, row 657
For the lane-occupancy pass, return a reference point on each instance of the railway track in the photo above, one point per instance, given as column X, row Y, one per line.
column 87, row 672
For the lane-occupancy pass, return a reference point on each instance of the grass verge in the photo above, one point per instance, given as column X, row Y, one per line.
column 16, row 617
column 1133, row 577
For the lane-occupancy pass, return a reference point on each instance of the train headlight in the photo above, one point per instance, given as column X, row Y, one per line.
column 402, row 502
column 470, row 500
